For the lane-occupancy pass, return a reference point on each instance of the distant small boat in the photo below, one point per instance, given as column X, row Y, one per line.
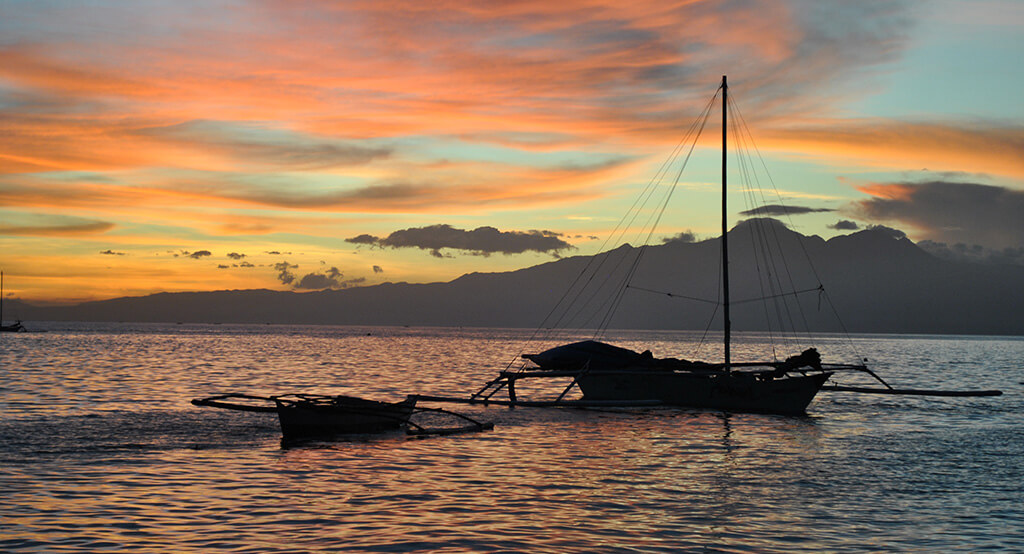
column 312, row 416
column 15, row 327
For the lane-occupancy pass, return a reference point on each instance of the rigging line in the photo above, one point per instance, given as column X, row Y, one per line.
column 695, row 130
column 582, row 299
column 711, row 318
column 635, row 210
column 818, row 289
column 616, row 234
column 763, row 229
column 743, row 164
column 598, row 259
column 807, row 256
column 617, row 297
column 608, row 277
column 707, row 329
column 673, row 295
column 661, row 212
column 639, row 201
column 774, row 233
column 682, row 167
column 606, row 321
column 613, row 302
column 771, row 287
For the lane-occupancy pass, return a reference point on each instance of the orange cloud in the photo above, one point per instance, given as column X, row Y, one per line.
column 888, row 191
column 997, row 150
column 57, row 230
column 184, row 119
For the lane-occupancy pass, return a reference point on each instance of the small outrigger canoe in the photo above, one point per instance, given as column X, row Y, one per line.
column 308, row 415
column 312, row 416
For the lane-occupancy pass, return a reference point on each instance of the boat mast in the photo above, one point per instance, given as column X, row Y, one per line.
column 725, row 230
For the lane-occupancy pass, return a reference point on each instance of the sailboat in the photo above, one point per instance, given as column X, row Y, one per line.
column 605, row 373
column 611, row 376
column 15, row 327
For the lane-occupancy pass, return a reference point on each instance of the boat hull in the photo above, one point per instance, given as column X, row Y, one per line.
column 733, row 392
column 341, row 415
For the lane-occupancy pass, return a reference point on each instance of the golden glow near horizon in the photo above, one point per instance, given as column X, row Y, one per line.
column 225, row 145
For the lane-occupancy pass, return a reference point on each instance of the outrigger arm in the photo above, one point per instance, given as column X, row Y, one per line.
column 894, row 391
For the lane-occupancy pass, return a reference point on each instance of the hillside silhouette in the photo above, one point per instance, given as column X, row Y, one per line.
column 877, row 281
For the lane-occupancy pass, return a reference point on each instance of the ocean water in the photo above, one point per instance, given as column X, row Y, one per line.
column 102, row 451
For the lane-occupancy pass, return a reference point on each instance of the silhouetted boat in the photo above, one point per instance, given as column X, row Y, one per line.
column 765, row 387
column 608, row 375
column 15, row 327
column 313, row 416
column 317, row 416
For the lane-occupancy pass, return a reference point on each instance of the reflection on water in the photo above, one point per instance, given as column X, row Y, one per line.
column 103, row 452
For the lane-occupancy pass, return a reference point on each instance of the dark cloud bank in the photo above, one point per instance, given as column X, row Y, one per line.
column 950, row 212
column 331, row 278
column 844, row 225
column 955, row 220
column 482, row 241
column 685, row 237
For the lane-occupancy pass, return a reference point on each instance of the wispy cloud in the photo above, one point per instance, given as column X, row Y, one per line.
column 780, row 209
column 30, row 224
column 996, row 148
column 259, row 147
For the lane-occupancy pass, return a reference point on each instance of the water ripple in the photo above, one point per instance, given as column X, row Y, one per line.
column 104, row 453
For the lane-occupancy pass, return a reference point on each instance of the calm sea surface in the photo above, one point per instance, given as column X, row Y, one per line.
column 103, row 452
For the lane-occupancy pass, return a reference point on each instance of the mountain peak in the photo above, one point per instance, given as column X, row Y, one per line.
column 882, row 241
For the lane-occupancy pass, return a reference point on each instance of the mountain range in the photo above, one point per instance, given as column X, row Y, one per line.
column 876, row 281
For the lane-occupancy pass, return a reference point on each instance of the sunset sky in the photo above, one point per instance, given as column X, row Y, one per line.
column 229, row 144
